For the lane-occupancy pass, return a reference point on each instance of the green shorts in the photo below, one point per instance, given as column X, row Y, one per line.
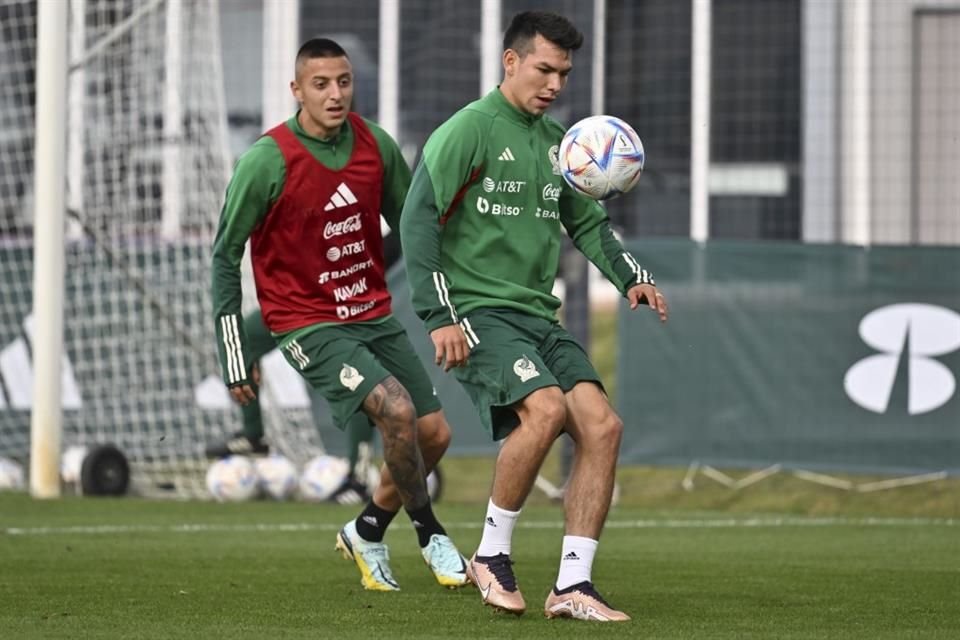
column 511, row 356
column 344, row 362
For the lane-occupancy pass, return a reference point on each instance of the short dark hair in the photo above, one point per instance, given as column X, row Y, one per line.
column 525, row 26
column 318, row 48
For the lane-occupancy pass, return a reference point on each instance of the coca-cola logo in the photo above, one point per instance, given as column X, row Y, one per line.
column 347, row 225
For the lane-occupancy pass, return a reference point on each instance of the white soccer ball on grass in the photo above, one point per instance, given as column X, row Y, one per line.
column 232, row 479
column 322, row 476
column 277, row 476
column 11, row 475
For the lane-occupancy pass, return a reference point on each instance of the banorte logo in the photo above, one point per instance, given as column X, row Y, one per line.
column 918, row 332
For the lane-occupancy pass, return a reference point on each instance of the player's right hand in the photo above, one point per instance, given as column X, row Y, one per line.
column 244, row 393
column 451, row 346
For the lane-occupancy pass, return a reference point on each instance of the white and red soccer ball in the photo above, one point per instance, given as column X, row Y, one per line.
column 601, row 157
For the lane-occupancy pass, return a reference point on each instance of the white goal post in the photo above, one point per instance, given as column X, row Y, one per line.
column 114, row 133
column 49, row 178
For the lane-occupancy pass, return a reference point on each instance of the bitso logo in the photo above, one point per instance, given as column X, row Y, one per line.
column 483, row 205
column 918, row 332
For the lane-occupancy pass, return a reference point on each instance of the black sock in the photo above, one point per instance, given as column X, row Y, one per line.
column 373, row 521
column 425, row 524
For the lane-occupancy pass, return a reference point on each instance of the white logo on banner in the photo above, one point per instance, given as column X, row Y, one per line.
column 925, row 331
column 16, row 374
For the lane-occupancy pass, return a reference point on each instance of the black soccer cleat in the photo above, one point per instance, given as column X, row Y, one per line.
column 239, row 444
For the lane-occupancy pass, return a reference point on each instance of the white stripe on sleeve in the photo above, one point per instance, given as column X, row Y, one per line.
column 472, row 338
column 228, row 349
column 239, row 348
column 440, row 283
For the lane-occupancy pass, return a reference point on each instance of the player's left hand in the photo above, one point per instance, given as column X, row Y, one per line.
column 649, row 295
column 246, row 393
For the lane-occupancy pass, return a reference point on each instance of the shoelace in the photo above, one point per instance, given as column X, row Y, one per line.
column 500, row 566
column 445, row 557
column 587, row 589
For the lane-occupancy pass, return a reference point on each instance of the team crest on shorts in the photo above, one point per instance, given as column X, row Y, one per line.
column 350, row 377
column 525, row 369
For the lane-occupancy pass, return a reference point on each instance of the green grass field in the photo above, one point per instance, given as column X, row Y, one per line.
column 131, row 568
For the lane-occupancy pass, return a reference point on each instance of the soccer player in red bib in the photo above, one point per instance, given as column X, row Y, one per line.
column 308, row 195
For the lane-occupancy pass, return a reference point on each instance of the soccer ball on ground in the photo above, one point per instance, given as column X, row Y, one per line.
column 71, row 464
column 322, row 477
column 277, row 476
column 232, row 479
column 11, row 475
column 601, row 157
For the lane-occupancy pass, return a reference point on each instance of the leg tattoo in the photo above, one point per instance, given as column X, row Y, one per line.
column 390, row 407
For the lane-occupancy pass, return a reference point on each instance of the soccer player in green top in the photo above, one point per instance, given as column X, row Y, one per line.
column 308, row 195
column 481, row 231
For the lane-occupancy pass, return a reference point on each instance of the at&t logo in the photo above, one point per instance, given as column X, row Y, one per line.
column 918, row 332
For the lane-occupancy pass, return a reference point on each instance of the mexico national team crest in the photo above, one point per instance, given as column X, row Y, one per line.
column 525, row 369
column 554, row 156
column 350, row 377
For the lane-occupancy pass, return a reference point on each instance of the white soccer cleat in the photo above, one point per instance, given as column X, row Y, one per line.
column 372, row 558
column 447, row 564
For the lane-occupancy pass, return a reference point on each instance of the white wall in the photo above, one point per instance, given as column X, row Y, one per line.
column 891, row 123
column 893, row 140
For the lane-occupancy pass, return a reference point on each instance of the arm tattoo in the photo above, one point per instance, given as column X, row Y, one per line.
column 390, row 407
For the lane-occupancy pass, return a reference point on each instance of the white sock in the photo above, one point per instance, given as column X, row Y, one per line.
column 497, row 531
column 576, row 561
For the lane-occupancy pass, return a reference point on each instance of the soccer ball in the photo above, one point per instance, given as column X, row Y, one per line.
column 277, row 476
column 71, row 463
column 11, row 475
column 322, row 477
column 232, row 479
column 601, row 157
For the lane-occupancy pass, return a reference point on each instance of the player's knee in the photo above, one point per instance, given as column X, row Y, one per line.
column 554, row 416
column 545, row 411
column 397, row 420
column 434, row 434
column 402, row 411
column 613, row 428
column 606, row 433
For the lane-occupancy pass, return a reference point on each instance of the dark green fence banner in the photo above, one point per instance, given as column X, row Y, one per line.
column 816, row 357
column 107, row 394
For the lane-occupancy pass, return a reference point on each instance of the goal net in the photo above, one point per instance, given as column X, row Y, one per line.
column 147, row 164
